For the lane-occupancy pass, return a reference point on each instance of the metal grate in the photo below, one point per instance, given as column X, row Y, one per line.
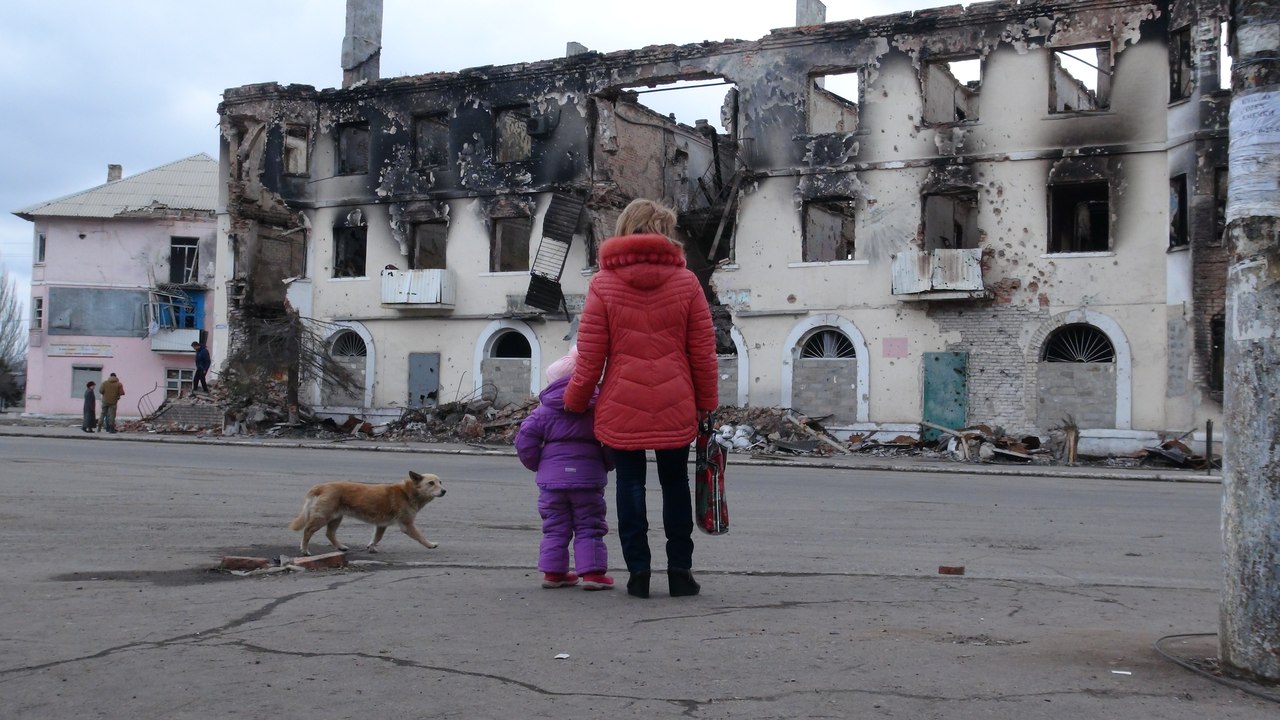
column 1079, row 344
column 828, row 345
column 349, row 344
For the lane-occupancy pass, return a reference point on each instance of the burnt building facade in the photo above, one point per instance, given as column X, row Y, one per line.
column 1006, row 213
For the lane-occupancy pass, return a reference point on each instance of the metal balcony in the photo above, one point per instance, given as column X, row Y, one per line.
column 938, row 275
column 424, row 289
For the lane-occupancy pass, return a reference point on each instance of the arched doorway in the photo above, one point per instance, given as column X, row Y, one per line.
column 351, row 352
column 507, row 363
column 1076, row 378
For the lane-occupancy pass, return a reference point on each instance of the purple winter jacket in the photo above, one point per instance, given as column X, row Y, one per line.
column 561, row 446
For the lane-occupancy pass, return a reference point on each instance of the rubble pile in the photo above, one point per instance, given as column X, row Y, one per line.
column 471, row 421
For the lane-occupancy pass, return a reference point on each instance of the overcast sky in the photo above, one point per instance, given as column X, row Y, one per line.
column 87, row 83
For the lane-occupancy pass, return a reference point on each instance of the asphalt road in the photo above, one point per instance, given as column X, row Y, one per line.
column 823, row 601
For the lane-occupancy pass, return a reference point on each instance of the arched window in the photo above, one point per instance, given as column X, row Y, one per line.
column 511, row 344
column 827, row 345
column 349, row 345
column 1078, row 343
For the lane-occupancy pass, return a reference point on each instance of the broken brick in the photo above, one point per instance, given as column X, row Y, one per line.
column 320, row 562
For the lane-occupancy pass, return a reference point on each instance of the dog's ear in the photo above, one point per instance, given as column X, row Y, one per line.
column 415, row 477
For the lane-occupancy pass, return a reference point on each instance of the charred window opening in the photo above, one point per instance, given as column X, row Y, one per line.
column 1181, row 78
column 511, row 344
column 349, row 251
column 834, row 101
column 1078, row 343
column 513, row 143
column 1079, row 217
column 1178, row 212
column 297, row 146
column 1217, row 353
column 951, row 90
column 951, row 220
column 353, row 149
column 828, row 230
column 1219, row 205
column 1081, row 79
column 184, row 254
column 431, row 140
column 509, row 245
column 427, row 246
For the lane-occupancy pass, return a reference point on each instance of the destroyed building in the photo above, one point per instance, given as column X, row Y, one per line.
column 120, row 282
column 1007, row 213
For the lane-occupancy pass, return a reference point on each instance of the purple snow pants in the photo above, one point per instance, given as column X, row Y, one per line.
column 577, row 515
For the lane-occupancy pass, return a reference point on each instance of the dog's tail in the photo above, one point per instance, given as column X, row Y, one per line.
column 301, row 521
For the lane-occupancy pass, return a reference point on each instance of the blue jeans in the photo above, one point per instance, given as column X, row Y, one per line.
column 677, row 508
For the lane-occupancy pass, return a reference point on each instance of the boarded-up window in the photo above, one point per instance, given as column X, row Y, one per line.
column 349, row 251
column 431, row 140
column 428, row 250
column 833, row 102
column 1081, row 79
column 951, row 90
column 1080, row 217
column 513, row 143
column 353, row 149
column 951, row 221
column 828, row 230
column 509, row 246
column 296, row 149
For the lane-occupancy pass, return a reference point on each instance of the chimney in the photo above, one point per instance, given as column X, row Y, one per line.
column 575, row 48
column 810, row 12
column 114, row 173
column 362, row 46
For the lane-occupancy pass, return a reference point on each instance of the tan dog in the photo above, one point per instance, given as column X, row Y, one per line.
column 379, row 505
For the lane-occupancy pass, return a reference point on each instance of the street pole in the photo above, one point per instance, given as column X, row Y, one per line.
column 1249, row 635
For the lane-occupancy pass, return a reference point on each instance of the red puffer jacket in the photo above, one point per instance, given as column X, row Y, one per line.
column 645, row 315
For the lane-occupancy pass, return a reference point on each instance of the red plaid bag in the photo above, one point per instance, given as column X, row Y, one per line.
column 710, row 509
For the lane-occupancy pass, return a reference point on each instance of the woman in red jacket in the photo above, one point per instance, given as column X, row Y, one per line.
column 647, row 327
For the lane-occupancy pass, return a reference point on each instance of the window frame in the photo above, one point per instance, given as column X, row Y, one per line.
column 1179, row 229
column 504, row 149
column 178, row 379
column 845, row 248
column 37, row 313
column 856, row 105
column 439, row 156
column 415, row 245
column 291, row 150
column 343, row 153
column 498, row 245
column 968, row 196
column 1182, row 76
column 926, row 106
column 349, row 233
column 1101, row 94
column 40, row 246
column 189, row 246
column 1055, row 213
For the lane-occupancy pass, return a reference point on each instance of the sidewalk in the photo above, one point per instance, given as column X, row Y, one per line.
column 16, row 426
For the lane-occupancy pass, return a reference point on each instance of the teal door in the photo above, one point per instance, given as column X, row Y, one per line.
column 946, row 391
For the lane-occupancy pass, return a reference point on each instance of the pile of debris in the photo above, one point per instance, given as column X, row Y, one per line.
column 475, row 421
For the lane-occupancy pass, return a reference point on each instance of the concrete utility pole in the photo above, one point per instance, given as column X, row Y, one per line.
column 1249, row 636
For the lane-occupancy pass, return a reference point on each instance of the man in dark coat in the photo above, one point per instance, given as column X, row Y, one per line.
column 90, row 408
column 202, row 367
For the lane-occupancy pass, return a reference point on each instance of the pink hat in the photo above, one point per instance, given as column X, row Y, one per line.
column 564, row 366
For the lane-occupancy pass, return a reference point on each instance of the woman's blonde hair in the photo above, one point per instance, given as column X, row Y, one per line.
column 648, row 217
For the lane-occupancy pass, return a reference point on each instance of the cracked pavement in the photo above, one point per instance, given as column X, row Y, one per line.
column 823, row 602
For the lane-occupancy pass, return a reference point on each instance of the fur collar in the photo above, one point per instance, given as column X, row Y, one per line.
column 619, row 252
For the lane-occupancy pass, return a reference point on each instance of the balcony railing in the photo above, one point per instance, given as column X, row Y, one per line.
column 174, row 340
column 938, row 274
column 430, row 289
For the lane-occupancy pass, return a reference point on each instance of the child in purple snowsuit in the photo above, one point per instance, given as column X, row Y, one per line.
column 572, row 470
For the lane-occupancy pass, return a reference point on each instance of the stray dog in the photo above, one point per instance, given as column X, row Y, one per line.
column 379, row 505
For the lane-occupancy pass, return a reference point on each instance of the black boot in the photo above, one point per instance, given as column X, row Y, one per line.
column 638, row 584
column 682, row 583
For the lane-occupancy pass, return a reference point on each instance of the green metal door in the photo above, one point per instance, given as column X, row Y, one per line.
column 946, row 391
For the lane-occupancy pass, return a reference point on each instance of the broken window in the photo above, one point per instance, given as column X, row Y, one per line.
column 39, row 248
column 1224, row 56
column 1178, row 212
column 184, row 255
column 37, row 313
column 1080, row 217
column 827, row 345
column 1217, row 353
column 431, row 140
column 951, row 221
column 427, row 249
column 511, row 344
column 349, row 251
column 1078, row 343
column 353, row 149
column 1219, row 204
column 513, row 144
column 1081, row 79
column 828, row 230
column 297, row 144
column 833, row 102
column 951, row 90
column 509, row 247
column 1181, row 79
column 178, row 382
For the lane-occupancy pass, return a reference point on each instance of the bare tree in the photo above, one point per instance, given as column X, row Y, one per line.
column 13, row 340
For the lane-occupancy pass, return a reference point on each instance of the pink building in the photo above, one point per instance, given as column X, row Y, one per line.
column 120, row 284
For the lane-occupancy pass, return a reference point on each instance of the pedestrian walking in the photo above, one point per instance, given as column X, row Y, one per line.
column 112, row 391
column 647, row 327
column 572, row 470
column 202, row 367
column 90, row 408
